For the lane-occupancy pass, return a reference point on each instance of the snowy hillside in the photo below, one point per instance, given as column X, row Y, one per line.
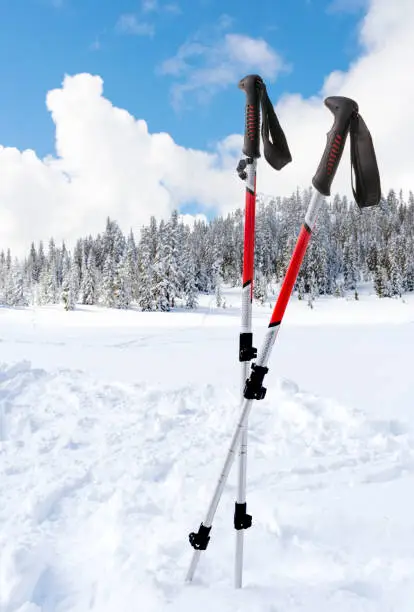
column 113, row 428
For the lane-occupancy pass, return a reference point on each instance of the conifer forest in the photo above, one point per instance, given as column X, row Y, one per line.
column 168, row 264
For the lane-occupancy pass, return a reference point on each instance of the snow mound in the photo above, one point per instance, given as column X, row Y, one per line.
column 101, row 483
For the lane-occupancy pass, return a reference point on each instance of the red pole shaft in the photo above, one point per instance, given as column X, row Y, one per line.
column 249, row 229
column 291, row 275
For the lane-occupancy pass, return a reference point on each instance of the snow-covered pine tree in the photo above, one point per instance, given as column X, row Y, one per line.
column 41, row 259
column 51, row 288
column 74, row 285
column 190, row 289
column 70, row 283
column 409, row 278
column 64, row 295
column 8, row 260
column 33, row 265
column 113, row 242
column 89, row 279
column 395, row 267
column 326, row 262
column 78, row 257
column 8, row 286
column 301, row 288
column 2, row 277
column 98, row 252
column 201, row 246
column 108, row 239
column 108, row 282
column 190, row 292
column 350, row 265
column 216, row 260
column 18, row 295
column 260, row 288
column 119, row 244
column 265, row 242
column 61, row 254
column 123, row 285
column 169, row 259
column 381, row 282
column 218, row 291
column 161, row 288
column 313, row 289
column 43, row 286
column 145, row 297
column 372, row 256
column 132, row 265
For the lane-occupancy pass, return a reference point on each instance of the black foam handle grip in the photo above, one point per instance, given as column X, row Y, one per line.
column 343, row 110
column 252, row 85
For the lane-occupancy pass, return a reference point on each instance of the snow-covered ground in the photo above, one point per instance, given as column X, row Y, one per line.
column 113, row 429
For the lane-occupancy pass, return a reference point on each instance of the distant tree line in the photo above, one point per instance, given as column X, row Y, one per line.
column 171, row 264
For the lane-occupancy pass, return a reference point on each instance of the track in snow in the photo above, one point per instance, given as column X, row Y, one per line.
column 101, row 483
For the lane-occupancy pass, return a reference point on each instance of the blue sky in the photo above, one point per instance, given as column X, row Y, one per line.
column 129, row 42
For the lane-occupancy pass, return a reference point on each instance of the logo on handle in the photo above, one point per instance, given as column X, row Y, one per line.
column 333, row 154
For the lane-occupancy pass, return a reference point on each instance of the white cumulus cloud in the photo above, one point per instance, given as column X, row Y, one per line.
column 106, row 163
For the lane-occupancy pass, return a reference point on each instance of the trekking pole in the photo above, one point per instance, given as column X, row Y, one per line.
column 254, row 87
column 247, row 171
column 367, row 193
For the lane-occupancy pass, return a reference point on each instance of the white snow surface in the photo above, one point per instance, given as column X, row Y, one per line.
column 114, row 427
